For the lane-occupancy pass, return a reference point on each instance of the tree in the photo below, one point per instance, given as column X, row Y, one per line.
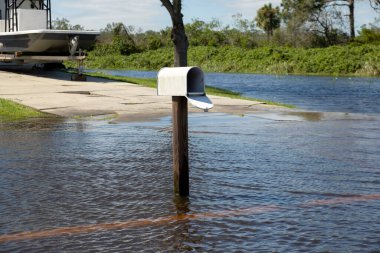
column 351, row 15
column 117, row 38
column 64, row 24
column 375, row 4
column 295, row 14
column 370, row 34
column 350, row 4
column 242, row 24
column 315, row 19
column 268, row 18
column 201, row 33
column 324, row 17
column 61, row 24
column 179, row 38
column 243, row 32
column 327, row 25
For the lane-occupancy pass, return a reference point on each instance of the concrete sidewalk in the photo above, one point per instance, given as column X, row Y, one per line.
column 52, row 92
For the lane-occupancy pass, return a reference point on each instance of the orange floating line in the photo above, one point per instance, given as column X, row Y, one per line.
column 83, row 229
column 341, row 200
column 66, row 231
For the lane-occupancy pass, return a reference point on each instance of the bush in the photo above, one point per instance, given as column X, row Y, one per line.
column 335, row 60
column 368, row 35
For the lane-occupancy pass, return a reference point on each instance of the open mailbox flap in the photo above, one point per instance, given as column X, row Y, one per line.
column 200, row 101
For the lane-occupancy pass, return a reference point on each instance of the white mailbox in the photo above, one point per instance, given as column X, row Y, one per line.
column 184, row 81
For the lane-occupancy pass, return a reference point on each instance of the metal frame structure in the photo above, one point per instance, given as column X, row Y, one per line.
column 11, row 7
column 20, row 59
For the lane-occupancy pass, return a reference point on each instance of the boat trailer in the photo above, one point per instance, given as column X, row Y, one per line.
column 20, row 59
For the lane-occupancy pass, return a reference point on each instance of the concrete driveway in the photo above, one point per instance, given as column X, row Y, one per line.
column 53, row 92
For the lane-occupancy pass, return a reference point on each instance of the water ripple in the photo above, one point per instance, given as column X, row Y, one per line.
column 310, row 177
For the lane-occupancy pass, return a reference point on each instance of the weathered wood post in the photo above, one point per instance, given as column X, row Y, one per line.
column 180, row 146
column 183, row 84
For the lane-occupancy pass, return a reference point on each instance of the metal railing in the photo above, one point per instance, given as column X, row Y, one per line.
column 11, row 12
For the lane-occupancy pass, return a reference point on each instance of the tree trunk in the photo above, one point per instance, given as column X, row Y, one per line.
column 351, row 15
column 179, row 37
column 181, row 43
column 180, row 111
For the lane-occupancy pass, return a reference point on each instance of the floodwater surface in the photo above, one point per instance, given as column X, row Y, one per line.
column 259, row 183
column 319, row 93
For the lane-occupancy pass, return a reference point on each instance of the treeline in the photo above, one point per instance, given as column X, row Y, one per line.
column 301, row 37
column 117, row 38
column 296, row 23
column 308, row 24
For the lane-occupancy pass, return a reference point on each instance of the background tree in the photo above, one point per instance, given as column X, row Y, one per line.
column 64, row 24
column 295, row 14
column 327, row 25
column 375, row 4
column 61, row 24
column 268, row 18
column 245, row 32
column 314, row 20
column 350, row 4
column 370, row 33
column 201, row 33
column 179, row 38
column 243, row 24
column 116, row 38
column 351, row 15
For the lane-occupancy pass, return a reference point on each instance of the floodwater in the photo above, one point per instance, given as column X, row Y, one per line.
column 259, row 183
column 327, row 94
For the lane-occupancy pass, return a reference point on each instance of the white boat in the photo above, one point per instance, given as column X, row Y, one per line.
column 25, row 29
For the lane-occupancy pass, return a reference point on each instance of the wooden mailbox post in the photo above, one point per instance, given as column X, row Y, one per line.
column 183, row 84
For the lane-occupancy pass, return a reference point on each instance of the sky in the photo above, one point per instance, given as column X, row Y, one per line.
column 151, row 15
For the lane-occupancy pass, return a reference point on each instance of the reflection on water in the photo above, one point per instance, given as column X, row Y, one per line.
column 263, row 183
column 36, row 124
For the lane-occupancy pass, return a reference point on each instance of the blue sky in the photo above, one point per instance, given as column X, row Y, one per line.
column 150, row 15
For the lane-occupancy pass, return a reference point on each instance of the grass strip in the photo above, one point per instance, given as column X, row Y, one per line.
column 210, row 90
column 11, row 111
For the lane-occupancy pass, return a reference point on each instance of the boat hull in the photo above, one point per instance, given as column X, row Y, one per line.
column 45, row 42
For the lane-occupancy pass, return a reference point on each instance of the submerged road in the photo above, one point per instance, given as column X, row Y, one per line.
column 54, row 93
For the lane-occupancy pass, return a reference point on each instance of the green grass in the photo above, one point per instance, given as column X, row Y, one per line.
column 152, row 83
column 11, row 111
column 146, row 82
